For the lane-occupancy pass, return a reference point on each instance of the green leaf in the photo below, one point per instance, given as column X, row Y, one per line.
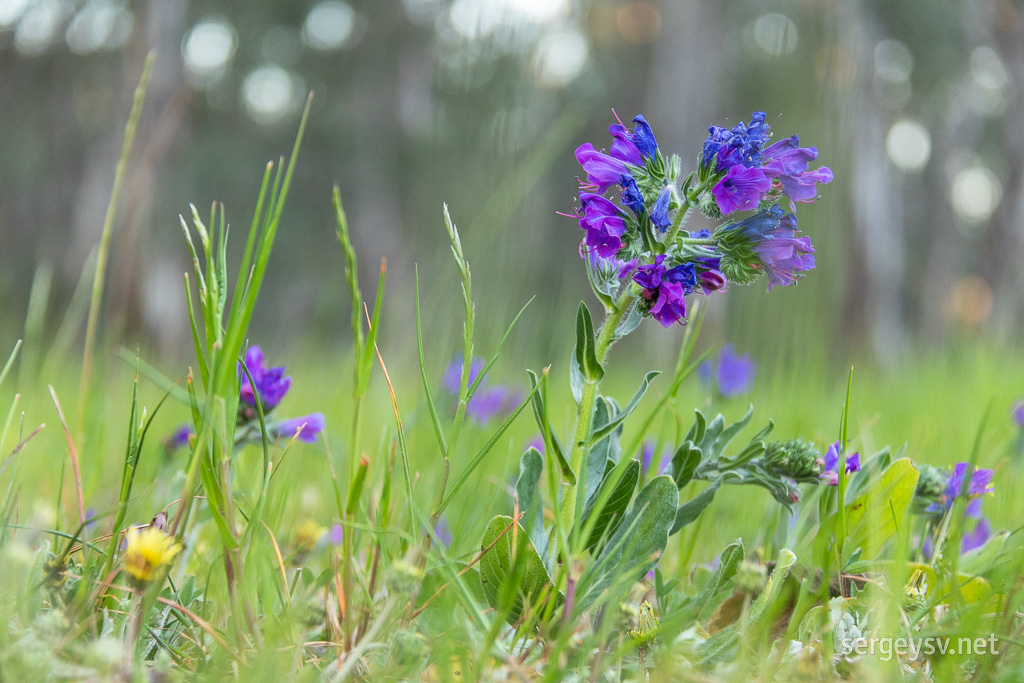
column 691, row 509
column 513, row 577
column 684, row 463
column 638, row 543
column 625, row 412
column 610, row 516
column 528, row 493
column 586, row 347
column 604, row 451
column 540, row 413
column 696, row 433
column 874, row 516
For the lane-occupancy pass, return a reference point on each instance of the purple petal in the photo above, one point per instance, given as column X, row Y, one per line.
column 741, row 189
column 311, row 425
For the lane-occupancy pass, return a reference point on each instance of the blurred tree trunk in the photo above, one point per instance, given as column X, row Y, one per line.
column 877, row 279
column 1006, row 242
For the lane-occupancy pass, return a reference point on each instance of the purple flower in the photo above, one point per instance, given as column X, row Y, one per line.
column 1018, row 413
column 978, row 483
column 739, row 146
column 741, row 189
column 336, row 534
column 444, row 532
column 732, row 374
column 604, row 224
column 311, row 425
column 271, row 383
column 537, row 443
column 487, row 402
column 977, row 537
column 664, row 291
column 647, row 454
column 602, row 170
column 453, row 374
column 972, row 540
column 788, row 162
column 831, row 474
column 91, row 517
column 178, row 438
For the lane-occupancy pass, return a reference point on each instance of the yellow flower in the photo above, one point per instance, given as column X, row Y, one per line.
column 308, row 533
column 147, row 552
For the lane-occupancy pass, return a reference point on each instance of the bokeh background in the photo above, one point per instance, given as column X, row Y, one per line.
column 479, row 103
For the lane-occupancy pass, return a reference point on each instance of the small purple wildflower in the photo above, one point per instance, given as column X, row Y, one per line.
column 732, row 374
column 271, row 383
column 487, row 402
column 537, row 443
column 978, row 482
column 178, row 438
column 647, row 454
column 971, row 540
column 977, row 537
column 603, row 170
column 604, row 224
column 91, row 517
column 831, row 474
column 311, row 425
column 787, row 162
column 741, row 189
column 336, row 534
column 1018, row 413
column 444, row 532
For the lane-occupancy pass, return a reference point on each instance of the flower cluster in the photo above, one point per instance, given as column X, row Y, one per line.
column 633, row 203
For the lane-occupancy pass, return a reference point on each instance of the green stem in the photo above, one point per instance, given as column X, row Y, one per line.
column 706, row 241
column 680, row 217
column 585, row 411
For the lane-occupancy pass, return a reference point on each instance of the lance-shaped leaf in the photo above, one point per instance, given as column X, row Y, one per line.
column 586, row 347
column 605, row 453
column 684, row 463
column 540, row 412
column 625, row 412
column 691, row 509
column 512, row 575
column 610, row 516
column 636, row 546
column 528, row 494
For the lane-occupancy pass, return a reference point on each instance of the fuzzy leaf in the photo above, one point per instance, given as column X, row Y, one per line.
column 691, row 509
column 586, row 347
column 610, row 516
column 625, row 412
column 684, row 463
column 512, row 577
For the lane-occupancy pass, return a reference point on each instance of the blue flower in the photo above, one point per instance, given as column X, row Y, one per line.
column 178, row 438
column 647, row 454
column 631, row 196
column 1018, row 413
column 443, row 531
column 659, row 212
column 739, row 146
column 741, row 189
column 978, row 483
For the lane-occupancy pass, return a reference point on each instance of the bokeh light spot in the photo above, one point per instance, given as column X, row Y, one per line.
column 975, row 193
column 908, row 145
column 638, row 22
column 269, row 93
column 207, row 49
column 328, row 25
column 775, row 33
column 561, row 55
